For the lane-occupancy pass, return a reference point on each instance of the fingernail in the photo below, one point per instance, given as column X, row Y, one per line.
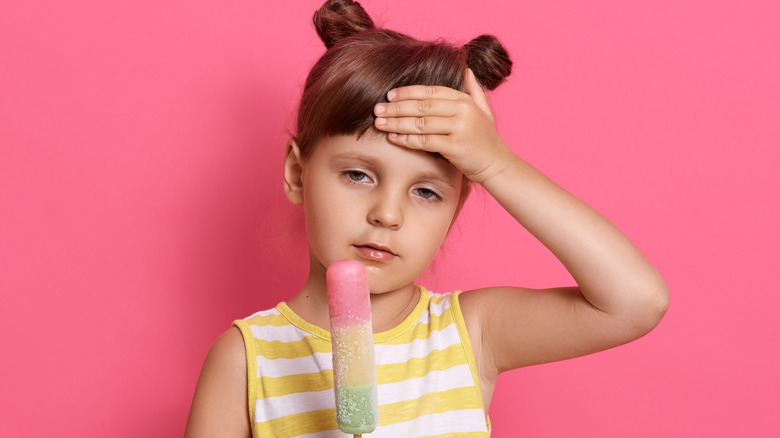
column 381, row 121
column 393, row 134
column 379, row 109
column 391, row 95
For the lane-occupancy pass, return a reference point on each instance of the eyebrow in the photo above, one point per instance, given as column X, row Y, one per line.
column 355, row 156
column 437, row 177
column 370, row 160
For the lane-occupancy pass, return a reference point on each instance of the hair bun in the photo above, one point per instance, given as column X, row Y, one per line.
column 489, row 60
column 337, row 19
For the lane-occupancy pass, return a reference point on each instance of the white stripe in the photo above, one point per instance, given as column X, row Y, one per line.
column 276, row 407
column 425, row 318
column 268, row 312
column 437, row 340
column 275, row 333
column 300, row 365
column 435, row 381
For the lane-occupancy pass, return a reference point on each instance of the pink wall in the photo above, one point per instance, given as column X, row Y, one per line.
column 141, row 207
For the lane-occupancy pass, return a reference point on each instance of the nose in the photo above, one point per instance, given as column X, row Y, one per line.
column 386, row 210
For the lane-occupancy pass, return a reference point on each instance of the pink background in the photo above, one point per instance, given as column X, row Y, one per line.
column 141, row 207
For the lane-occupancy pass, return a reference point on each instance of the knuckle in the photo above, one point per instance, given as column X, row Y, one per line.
column 430, row 91
column 423, row 106
column 420, row 123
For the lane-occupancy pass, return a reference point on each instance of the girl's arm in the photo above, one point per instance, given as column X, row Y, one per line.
column 220, row 406
column 620, row 296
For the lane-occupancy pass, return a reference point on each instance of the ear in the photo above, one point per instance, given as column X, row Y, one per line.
column 293, row 172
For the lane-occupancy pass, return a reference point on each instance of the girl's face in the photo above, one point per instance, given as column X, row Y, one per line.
column 386, row 206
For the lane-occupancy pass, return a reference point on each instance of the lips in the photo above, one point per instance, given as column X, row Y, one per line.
column 375, row 252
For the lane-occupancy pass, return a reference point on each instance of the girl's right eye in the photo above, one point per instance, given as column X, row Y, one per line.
column 357, row 176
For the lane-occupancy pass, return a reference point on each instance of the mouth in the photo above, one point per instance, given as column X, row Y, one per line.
column 375, row 252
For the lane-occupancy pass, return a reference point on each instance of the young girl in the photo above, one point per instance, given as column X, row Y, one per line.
column 391, row 134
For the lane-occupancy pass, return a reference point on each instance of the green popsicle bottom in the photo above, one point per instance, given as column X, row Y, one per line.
column 356, row 409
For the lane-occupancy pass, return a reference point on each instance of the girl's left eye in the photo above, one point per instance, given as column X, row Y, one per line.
column 357, row 176
column 426, row 193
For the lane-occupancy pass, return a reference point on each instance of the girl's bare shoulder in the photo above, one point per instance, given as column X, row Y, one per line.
column 220, row 406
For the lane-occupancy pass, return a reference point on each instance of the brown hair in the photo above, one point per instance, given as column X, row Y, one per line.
column 362, row 63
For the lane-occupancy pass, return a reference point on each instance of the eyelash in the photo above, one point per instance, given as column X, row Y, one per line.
column 433, row 195
column 350, row 174
column 357, row 176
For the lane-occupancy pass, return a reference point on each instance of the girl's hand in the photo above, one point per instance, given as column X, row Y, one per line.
column 457, row 125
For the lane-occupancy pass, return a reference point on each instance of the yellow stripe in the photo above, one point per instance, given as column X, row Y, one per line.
column 421, row 330
column 310, row 382
column 440, row 321
column 436, row 360
column 298, row 424
column 292, row 350
column 276, row 320
column 432, row 403
column 437, row 299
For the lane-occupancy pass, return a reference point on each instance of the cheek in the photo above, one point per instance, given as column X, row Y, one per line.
column 436, row 228
column 445, row 230
column 316, row 217
column 327, row 211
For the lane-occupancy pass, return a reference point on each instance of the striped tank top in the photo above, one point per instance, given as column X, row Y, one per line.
column 426, row 375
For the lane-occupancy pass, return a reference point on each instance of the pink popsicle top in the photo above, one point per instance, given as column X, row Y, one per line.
column 348, row 296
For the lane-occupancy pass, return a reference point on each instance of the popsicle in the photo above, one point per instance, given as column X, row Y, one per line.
column 354, row 372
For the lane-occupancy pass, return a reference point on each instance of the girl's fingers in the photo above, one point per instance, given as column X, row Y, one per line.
column 419, row 92
column 416, row 108
column 425, row 142
column 414, row 125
